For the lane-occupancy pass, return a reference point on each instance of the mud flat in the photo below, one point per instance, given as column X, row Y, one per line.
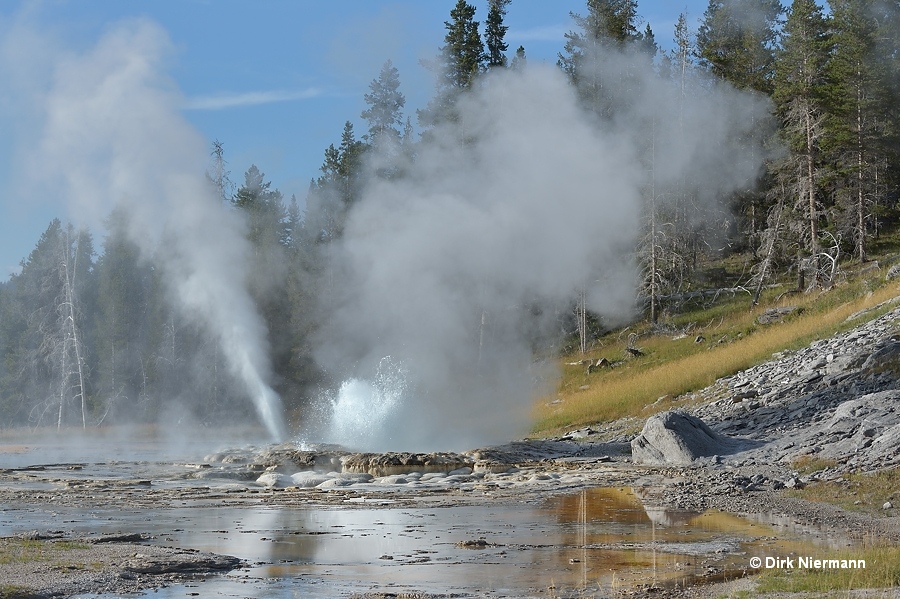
column 38, row 565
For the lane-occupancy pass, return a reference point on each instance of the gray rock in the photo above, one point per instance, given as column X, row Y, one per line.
column 309, row 479
column 892, row 273
column 397, row 463
column 676, row 437
column 180, row 562
column 773, row 315
column 887, row 505
column 274, row 479
column 885, row 358
column 334, row 483
column 391, row 480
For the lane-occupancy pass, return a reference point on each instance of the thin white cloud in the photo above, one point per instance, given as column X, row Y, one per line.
column 545, row 33
column 227, row 100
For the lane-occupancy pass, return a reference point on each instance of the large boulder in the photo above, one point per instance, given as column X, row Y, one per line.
column 675, row 437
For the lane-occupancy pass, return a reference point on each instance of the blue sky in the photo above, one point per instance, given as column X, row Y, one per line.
column 274, row 80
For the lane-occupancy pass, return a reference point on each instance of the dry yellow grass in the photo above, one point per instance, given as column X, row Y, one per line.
column 627, row 390
column 881, row 571
column 865, row 492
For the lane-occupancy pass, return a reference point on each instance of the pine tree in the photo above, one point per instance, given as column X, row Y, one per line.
column 800, row 76
column 887, row 15
column 292, row 226
column 122, row 326
column 350, row 165
column 385, row 102
column 494, row 34
column 270, row 264
column 335, row 191
column 519, row 60
column 263, row 207
column 460, row 61
column 681, row 57
column 218, row 176
column 858, row 104
column 48, row 363
column 463, row 51
column 684, row 239
column 608, row 31
column 37, row 290
column 12, row 325
column 736, row 41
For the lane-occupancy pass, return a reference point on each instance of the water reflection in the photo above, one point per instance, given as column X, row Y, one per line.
column 596, row 541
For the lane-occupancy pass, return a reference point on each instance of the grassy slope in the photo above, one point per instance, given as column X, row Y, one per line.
column 675, row 366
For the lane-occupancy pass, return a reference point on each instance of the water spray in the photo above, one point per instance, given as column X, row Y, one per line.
column 362, row 410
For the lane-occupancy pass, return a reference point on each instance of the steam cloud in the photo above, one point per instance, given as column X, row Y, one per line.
column 114, row 135
column 456, row 270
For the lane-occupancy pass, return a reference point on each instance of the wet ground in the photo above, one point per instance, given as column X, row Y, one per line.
column 541, row 528
column 599, row 540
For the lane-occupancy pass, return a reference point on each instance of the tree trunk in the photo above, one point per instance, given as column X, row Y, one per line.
column 860, row 195
column 811, row 183
column 770, row 250
column 70, row 334
column 581, row 319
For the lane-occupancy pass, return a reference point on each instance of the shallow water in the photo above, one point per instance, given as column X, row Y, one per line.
column 596, row 541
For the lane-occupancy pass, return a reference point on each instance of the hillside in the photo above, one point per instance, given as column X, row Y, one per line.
column 637, row 371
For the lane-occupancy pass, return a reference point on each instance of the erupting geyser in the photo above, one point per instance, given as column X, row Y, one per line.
column 114, row 136
column 365, row 413
column 268, row 404
column 465, row 267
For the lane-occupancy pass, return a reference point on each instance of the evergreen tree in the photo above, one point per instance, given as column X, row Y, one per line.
column 682, row 243
column 606, row 54
column 463, row 51
column 271, row 231
column 263, row 207
column 887, row 48
column 460, row 60
column 12, row 323
column 292, row 226
column 519, row 60
column 122, row 330
column 859, row 101
column 681, row 56
column 350, row 165
column 219, row 174
column 28, row 312
column 736, row 41
column 384, row 114
column 46, row 364
column 494, row 34
column 800, row 76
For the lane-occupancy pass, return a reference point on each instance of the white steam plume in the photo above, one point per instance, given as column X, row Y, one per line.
column 455, row 269
column 114, row 136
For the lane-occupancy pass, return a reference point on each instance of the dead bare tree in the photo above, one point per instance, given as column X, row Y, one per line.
column 62, row 342
column 72, row 350
column 770, row 239
column 581, row 319
column 828, row 260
